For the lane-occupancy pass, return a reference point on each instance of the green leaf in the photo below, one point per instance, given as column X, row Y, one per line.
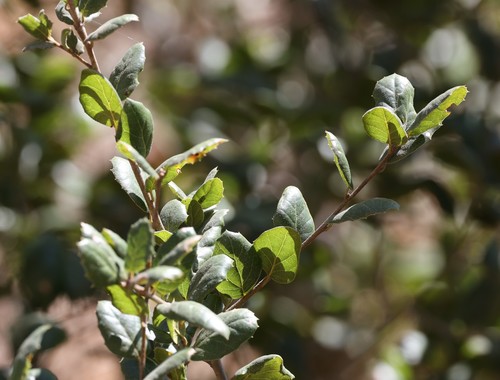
column 177, row 246
column 245, row 273
column 215, row 220
column 410, row 146
column 115, row 241
column 132, row 154
column 211, row 346
column 127, row 302
column 89, row 7
column 396, row 92
column 101, row 264
column 385, row 126
column 40, row 28
column 99, row 99
column 136, row 126
column 433, row 114
column 196, row 216
column 140, row 246
column 40, row 374
column 125, row 75
column 340, row 159
column 164, row 273
column 38, row 45
column 71, row 42
column 206, row 245
column 42, row 338
column 173, row 214
column 121, row 332
column 63, row 14
column 195, row 313
column 173, row 165
column 210, row 193
column 177, row 191
column 124, row 175
column 365, row 209
column 292, row 211
column 210, row 274
column 173, row 362
column 279, row 250
column 268, row 367
column 110, row 26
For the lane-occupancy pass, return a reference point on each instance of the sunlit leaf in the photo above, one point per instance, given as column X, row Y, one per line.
column 292, row 211
column 206, row 245
column 89, row 7
column 173, row 362
column 173, row 214
column 140, row 246
column 340, row 159
column 433, row 114
column 126, row 301
column 247, row 266
column 40, row 28
column 196, row 314
column 242, row 324
column 279, row 250
column 210, row 193
column 132, row 154
column 110, row 26
column 62, row 13
column 177, row 246
column 124, row 175
column 121, row 332
column 384, row 125
column 115, row 241
column 99, row 99
column 125, row 75
column 268, row 367
column 396, row 93
column 365, row 209
column 210, row 274
column 163, row 273
column 136, row 126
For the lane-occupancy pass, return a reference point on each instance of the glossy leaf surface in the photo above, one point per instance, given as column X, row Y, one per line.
column 110, row 26
column 124, row 175
column 365, row 209
column 268, row 367
column 210, row 274
column 136, row 126
column 173, row 214
column 384, row 125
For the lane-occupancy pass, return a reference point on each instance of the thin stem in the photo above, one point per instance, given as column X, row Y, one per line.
column 218, row 369
column 150, row 203
column 142, row 355
column 247, row 296
column 79, row 26
column 73, row 54
column 349, row 196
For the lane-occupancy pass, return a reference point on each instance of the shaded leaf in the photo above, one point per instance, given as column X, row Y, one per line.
column 99, row 99
column 365, row 209
column 174, row 361
column 124, row 175
column 40, row 374
column 242, row 324
column 130, row 368
column 71, row 42
column 140, row 246
column 268, row 367
column 110, row 26
column 89, row 7
column 196, row 216
column 38, row 45
column 292, row 211
column 396, row 92
column 210, row 193
column 136, row 126
column 127, row 302
column 179, row 251
column 132, row 154
column 115, row 241
column 124, row 76
column 210, row 274
column 62, row 13
column 247, row 266
column 164, row 273
column 165, row 255
column 340, row 159
column 215, row 220
column 173, row 165
column 433, row 114
column 279, row 249
column 40, row 28
column 206, row 245
column 409, row 147
column 121, row 332
column 196, row 314
column 173, row 214
column 385, row 126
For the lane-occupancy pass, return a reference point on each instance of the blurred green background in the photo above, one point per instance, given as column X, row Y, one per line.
column 410, row 295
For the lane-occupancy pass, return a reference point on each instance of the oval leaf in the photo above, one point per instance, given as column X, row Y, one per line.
column 210, row 193
column 110, row 26
column 164, row 273
column 99, row 99
column 245, row 273
column 136, row 126
column 365, row 209
column 279, row 250
column 210, row 274
column 125, row 75
column 433, row 114
column 63, row 14
column 40, row 28
column 127, row 302
column 140, row 246
column 89, row 7
column 292, row 211
column 268, row 367
column 242, row 324
column 173, row 214
column 121, row 332
column 124, row 175
column 195, row 313
column 384, row 125
column 340, row 159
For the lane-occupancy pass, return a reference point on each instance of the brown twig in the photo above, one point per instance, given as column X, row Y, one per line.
column 260, row 285
column 218, row 369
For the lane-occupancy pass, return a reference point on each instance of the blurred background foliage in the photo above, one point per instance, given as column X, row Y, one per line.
column 411, row 295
